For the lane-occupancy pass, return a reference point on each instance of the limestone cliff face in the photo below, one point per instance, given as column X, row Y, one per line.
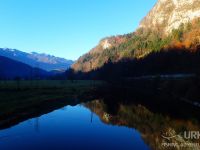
column 170, row 14
column 108, row 43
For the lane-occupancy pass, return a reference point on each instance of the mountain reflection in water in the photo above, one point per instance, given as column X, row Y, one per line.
column 152, row 126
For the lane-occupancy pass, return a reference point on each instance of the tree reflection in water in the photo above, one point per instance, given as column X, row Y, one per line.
column 152, row 126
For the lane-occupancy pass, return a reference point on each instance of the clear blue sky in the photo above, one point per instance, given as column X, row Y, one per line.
column 66, row 28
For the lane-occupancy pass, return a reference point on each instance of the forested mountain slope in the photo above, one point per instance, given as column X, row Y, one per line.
column 171, row 24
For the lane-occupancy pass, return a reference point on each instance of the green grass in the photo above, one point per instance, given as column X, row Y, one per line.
column 41, row 84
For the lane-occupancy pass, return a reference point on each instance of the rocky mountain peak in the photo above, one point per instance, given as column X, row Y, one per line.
column 167, row 15
column 105, row 44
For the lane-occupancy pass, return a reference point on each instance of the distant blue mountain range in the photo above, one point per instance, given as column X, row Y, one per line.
column 36, row 60
column 11, row 69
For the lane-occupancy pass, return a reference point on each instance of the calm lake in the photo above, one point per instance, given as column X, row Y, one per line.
column 114, row 122
column 72, row 127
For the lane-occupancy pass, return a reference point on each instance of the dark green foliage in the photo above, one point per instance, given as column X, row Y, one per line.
column 188, row 27
column 177, row 34
column 87, row 57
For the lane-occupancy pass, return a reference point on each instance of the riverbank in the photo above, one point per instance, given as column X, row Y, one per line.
column 20, row 100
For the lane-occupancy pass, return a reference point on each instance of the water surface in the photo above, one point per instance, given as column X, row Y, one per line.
column 72, row 127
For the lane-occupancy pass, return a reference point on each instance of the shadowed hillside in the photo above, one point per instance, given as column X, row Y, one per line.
column 165, row 62
column 11, row 69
